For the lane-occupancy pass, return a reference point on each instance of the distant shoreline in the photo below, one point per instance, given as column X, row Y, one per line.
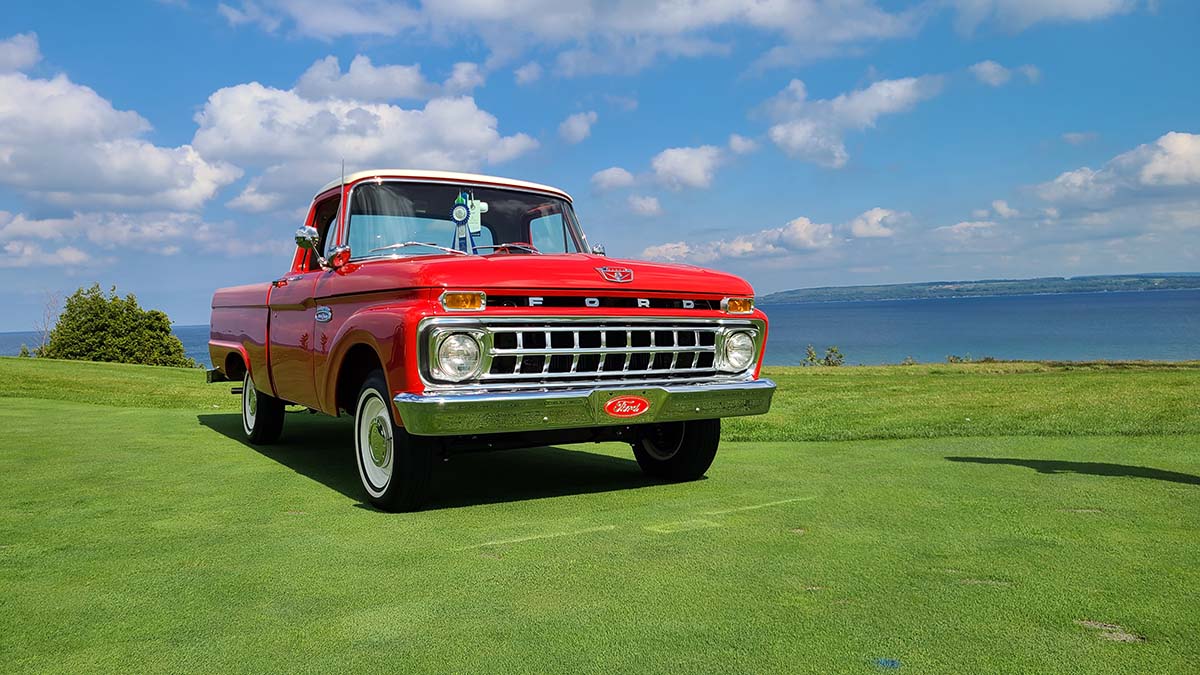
column 765, row 302
column 940, row 290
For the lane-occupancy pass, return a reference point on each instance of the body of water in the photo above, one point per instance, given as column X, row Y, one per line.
column 1156, row 325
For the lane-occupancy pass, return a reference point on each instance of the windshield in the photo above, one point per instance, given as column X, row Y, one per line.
column 397, row 218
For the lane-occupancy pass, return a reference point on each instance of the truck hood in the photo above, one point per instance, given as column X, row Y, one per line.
column 575, row 272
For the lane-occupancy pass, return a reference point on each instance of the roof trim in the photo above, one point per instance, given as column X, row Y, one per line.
column 447, row 176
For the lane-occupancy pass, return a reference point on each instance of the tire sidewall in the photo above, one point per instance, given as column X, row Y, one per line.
column 248, row 389
column 371, row 389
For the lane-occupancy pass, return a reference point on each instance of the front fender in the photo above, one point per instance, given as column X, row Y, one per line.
column 390, row 330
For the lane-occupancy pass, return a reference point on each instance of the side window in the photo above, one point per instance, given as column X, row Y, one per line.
column 549, row 234
column 323, row 220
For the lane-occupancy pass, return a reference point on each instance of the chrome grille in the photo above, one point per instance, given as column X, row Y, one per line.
column 600, row 351
column 566, row 352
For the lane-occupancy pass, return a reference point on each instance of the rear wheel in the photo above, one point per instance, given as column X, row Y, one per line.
column 262, row 414
column 395, row 467
column 678, row 451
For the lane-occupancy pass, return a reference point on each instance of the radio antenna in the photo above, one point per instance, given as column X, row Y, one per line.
column 343, row 174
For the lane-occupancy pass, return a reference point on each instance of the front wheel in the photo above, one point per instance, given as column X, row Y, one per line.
column 395, row 467
column 262, row 414
column 678, row 451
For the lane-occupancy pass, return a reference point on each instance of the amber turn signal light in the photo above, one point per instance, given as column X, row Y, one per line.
column 463, row 301
column 738, row 305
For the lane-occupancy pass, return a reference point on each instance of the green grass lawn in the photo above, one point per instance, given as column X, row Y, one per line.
column 936, row 518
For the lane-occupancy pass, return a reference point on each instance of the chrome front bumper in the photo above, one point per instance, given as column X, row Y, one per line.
column 450, row 414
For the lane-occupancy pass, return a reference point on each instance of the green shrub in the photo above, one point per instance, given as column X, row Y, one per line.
column 810, row 356
column 833, row 357
column 95, row 326
column 24, row 353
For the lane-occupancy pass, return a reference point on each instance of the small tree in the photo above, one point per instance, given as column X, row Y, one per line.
column 24, row 353
column 50, row 302
column 908, row 361
column 810, row 357
column 833, row 357
column 95, row 326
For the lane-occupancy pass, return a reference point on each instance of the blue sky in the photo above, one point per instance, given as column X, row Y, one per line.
column 171, row 147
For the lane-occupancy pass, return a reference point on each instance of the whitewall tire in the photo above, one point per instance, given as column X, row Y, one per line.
column 394, row 466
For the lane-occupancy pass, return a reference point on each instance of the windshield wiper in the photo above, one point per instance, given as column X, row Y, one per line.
column 417, row 243
column 525, row 247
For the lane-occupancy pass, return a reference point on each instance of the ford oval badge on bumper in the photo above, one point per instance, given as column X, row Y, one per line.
column 626, row 406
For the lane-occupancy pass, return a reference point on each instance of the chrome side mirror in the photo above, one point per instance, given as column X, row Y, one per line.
column 598, row 249
column 307, row 237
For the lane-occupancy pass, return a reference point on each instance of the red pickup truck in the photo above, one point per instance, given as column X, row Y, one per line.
column 451, row 312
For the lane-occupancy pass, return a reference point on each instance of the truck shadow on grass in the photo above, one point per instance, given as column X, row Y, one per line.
column 1053, row 466
column 321, row 448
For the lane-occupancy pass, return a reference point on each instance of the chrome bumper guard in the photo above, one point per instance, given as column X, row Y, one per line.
column 452, row 414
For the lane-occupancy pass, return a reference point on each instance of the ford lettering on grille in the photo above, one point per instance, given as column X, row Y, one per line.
column 626, row 406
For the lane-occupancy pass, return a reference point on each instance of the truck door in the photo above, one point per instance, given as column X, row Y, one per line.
column 293, row 317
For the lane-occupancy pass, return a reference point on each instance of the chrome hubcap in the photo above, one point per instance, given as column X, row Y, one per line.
column 379, row 442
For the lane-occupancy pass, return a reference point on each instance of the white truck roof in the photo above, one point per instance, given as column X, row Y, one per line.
column 448, row 176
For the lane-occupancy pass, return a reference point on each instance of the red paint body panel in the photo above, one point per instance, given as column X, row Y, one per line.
column 380, row 302
column 573, row 274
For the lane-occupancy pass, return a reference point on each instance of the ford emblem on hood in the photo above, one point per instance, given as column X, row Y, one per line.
column 620, row 275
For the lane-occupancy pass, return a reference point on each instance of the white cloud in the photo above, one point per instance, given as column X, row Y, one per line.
column 19, row 52
column 161, row 233
column 1003, row 210
column 1171, row 162
column 741, row 145
column 1079, row 137
column 62, row 143
column 324, row 20
column 990, row 73
column 799, row 236
column 676, row 251
column 253, row 198
column 645, row 205
column 993, row 74
column 814, row 130
column 593, row 35
column 876, row 222
column 27, row 254
column 980, row 214
column 1015, row 15
column 577, row 127
column 692, row 167
column 969, row 235
column 363, row 81
column 528, row 74
column 299, row 141
column 622, row 103
column 611, row 178
column 464, row 78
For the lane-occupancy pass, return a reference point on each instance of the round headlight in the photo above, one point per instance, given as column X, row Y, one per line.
column 458, row 357
column 738, row 350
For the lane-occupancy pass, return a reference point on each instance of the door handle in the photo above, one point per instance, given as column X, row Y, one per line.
column 284, row 281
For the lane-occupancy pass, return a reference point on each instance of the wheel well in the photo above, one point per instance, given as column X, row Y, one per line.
column 359, row 362
column 235, row 368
